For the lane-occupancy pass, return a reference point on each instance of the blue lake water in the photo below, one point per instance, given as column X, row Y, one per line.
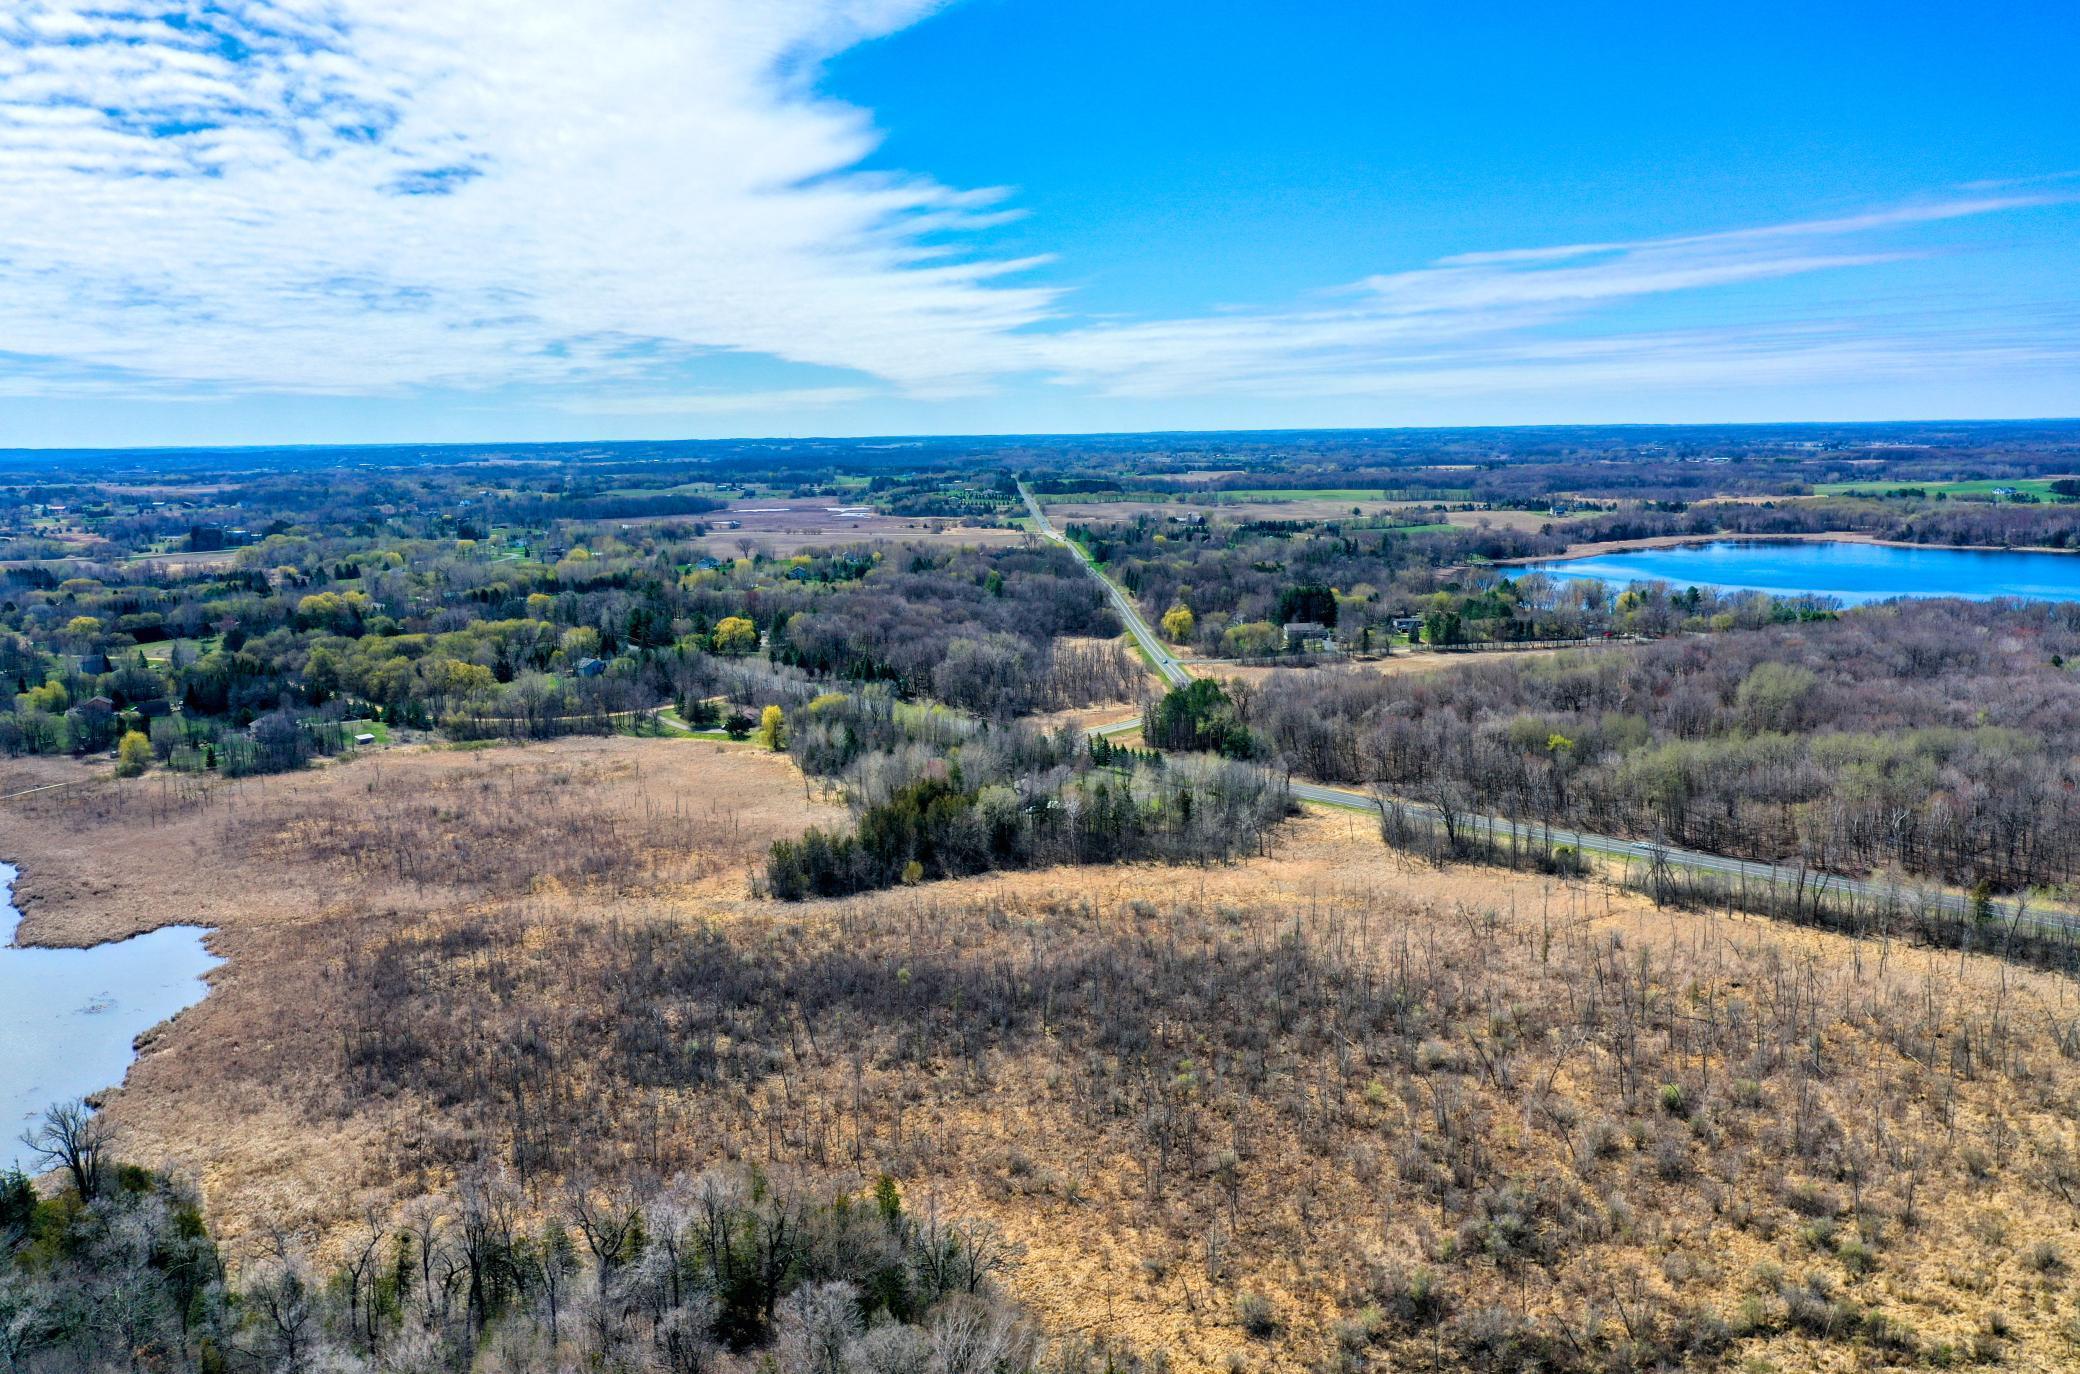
column 68, row 1017
column 1850, row 572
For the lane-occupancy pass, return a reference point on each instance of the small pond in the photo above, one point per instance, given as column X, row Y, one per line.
column 69, row 1017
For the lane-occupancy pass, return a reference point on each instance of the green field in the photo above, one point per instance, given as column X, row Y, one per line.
column 1252, row 495
column 2039, row 487
column 161, row 651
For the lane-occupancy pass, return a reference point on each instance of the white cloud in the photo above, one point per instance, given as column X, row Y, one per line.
column 1487, row 320
column 778, row 401
column 368, row 197
column 609, row 187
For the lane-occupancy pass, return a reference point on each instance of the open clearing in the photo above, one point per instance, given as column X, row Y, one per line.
column 1423, row 515
column 784, row 526
column 1263, row 676
column 233, row 1091
column 2039, row 487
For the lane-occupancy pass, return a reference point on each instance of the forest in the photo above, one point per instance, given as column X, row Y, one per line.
column 1867, row 742
column 255, row 667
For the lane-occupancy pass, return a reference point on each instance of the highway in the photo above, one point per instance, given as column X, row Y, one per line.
column 1173, row 672
column 1166, row 665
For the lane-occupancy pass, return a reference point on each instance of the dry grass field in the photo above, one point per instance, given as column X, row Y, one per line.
column 292, row 869
column 786, row 526
column 1262, row 676
column 1315, row 1110
column 1296, row 508
column 1300, row 508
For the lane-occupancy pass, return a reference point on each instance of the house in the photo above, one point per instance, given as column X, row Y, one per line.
column 591, row 667
column 363, row 740
column 153, row 709
column 94, row 664
column 1307, row 632
column 1408, row 624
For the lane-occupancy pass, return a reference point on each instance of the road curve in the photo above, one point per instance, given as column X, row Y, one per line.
column 1785, row 875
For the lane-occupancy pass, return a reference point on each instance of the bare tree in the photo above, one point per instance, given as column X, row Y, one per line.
column 72, row 1137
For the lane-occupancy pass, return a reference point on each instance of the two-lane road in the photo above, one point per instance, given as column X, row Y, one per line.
column 1166, row 665
column 1783, row 875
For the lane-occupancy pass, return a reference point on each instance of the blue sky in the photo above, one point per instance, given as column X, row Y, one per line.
column 295, row 221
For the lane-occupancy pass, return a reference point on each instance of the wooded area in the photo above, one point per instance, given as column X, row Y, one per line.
column 1932, row 738
column 727, row 1270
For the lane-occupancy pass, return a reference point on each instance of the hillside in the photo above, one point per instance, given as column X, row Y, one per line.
column 1251, row 1116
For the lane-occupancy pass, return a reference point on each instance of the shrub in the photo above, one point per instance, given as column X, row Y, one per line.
column 1257, row 1315
column 133, row 754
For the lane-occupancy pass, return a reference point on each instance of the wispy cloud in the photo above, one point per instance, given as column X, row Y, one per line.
column 774, row 401
column 1490, row 319
column 355, row 195
column 366, row 197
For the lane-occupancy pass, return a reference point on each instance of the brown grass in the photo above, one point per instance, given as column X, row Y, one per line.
column 1263, row 676
column 1305, row 508
column 1361, row 1068
column 781, row 527
column 287, row 866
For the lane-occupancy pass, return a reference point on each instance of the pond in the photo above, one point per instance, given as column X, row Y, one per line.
column 1848, row 571
column 69, row 1017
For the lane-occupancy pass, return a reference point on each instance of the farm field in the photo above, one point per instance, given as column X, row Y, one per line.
column 2039, row 487
column 782, row 526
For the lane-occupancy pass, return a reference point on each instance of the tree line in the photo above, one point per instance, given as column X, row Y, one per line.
column 1936, row 738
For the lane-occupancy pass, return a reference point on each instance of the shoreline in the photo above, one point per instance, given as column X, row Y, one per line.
column 26, row 935
column 136, row 988
column 1598, row 548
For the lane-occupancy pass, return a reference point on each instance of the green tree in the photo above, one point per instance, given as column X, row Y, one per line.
column 1774, row 696
column 771, row 725
column 1252, row 639
column 133, row 754
column 1178, row 623
column 735, row 635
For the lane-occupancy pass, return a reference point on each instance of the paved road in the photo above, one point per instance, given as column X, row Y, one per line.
column 1166, row 664
column 1953, row 903
column 1172, row 671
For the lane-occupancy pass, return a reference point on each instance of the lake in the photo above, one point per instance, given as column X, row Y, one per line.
column 68, row 1017
column 1849, row 572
